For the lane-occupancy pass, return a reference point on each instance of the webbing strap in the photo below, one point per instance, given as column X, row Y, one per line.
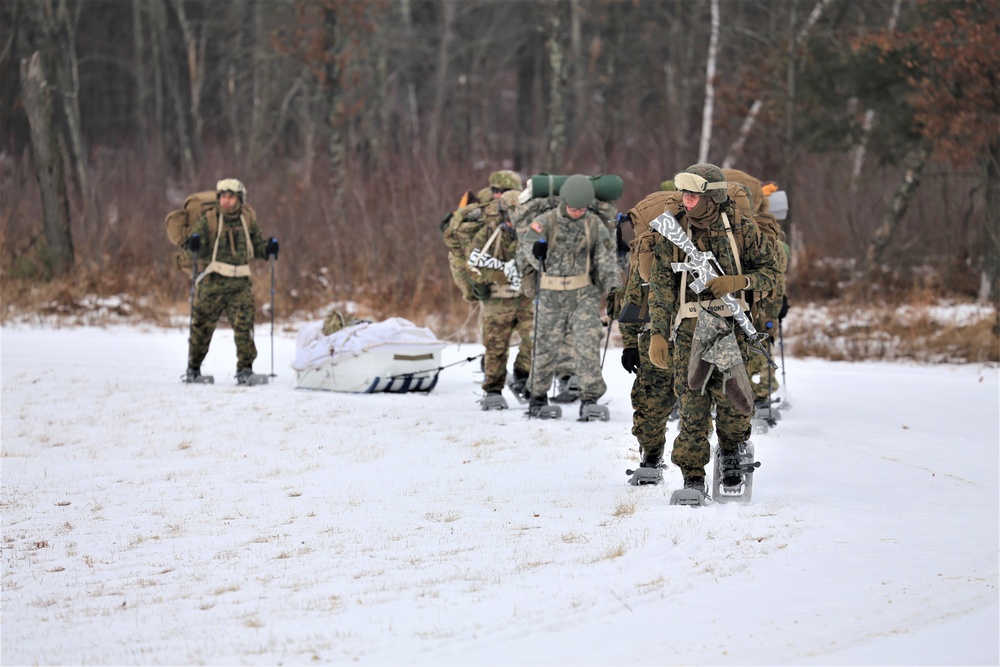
column 228, row 270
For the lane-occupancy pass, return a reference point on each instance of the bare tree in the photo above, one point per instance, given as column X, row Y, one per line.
column 709, row 107
column 441, row 87
column 39, row 105
column 557, row 84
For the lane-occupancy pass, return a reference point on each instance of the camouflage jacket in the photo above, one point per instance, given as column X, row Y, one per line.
column 232, row 240
column 568, row 253
column 758, row 262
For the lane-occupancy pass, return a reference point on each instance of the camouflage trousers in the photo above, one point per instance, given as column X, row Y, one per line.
column 217, row 295
column 501, row 318
column 692, row 450
column 569, row 319
column 763, row 378
column 652, row 402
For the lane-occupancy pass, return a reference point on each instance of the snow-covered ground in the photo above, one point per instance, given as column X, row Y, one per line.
column 149, row 522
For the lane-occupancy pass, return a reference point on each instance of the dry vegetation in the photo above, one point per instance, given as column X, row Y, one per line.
column 382, row 256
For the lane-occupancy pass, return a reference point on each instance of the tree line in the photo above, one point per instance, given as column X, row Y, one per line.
column 357, row 125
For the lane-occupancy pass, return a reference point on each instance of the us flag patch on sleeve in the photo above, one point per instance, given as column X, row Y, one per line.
column 536, row 227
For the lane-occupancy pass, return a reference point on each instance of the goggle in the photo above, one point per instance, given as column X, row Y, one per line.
column 497, row 190
column 695, row 184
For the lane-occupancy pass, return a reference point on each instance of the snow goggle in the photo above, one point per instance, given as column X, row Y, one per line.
column 695, row 184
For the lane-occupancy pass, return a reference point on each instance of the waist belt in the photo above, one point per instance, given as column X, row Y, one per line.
column 504, row 292
column 565, row 283
column 717, row 306
column 227, row 270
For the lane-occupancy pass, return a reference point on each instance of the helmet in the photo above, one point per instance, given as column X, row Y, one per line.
column 703, row 179
column 231, row 185
column 506, row 179
column 577, row 191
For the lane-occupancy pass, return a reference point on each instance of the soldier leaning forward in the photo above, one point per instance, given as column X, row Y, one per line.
column 749, row 264
column 497, row 285
column 653, row 387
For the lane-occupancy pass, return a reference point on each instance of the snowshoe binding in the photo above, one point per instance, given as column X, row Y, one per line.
column 590, row 411
column 248, row 378
column 733, row 479
column 646, row 474
column 767, row 410
column 694, row 493
column 194, row 376
column 539, row 408
column 493, row 401
column 567, row 389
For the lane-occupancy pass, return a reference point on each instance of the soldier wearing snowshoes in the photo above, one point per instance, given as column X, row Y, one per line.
column 569, row 255
column 226, row 248
column 709, row 350
column 496, row 283
column 653, row 388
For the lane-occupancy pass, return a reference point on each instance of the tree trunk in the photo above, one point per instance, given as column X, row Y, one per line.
column 709, row 107
column 557, row 85
column 989, row 290
column 67, row 76
column 334, row 111
column 441, row 87
column 875, row 253
column 40, row 108
column 526, row 63
column 158, row 16
column 194, row 48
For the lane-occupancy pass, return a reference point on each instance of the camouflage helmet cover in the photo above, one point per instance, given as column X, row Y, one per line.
column 577, row 191
column 506, row 179
column 703, row 179
column 231, row 185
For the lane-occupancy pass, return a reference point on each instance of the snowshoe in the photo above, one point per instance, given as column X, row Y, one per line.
column 567, row 389
column 539, row 408
column 733, row 479
column 646, row 473
column 493, row 401
column 590, row 411
column 693, row 494
column 518, row 385
column 768, row 411
column 759, row 426
column 194, row 376
column 248, row 378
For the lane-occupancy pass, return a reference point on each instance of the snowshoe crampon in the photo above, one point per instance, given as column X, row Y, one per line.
column 591, row 411
column 194, row 376
column 733, row 480
column 249, row 378
column 567, row 389
column 493, row 402
column 693, row 493
column 539, row 410
column 645, row 475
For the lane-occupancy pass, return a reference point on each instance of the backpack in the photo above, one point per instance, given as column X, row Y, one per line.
column 459, row 231
column 180, row 223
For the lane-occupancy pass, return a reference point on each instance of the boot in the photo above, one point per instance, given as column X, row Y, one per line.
column 246, row 376
column 194, row 376
column 519, row 384
column 567, row 389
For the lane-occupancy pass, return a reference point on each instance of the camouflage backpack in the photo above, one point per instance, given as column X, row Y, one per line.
column 459, row 231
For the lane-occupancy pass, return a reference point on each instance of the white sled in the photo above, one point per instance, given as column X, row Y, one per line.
column 394, row 356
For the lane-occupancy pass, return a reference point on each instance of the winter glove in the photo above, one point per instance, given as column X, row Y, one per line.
column 724, row 285
column 658, row 351
column 193, row 243
column 271, row 249
column 540, row 249
column 481, row 291
column 630, row 359
column 784, row 307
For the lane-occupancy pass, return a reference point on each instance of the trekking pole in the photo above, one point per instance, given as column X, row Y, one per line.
column 607, row 339
column 534, row 330
column 272, row 317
